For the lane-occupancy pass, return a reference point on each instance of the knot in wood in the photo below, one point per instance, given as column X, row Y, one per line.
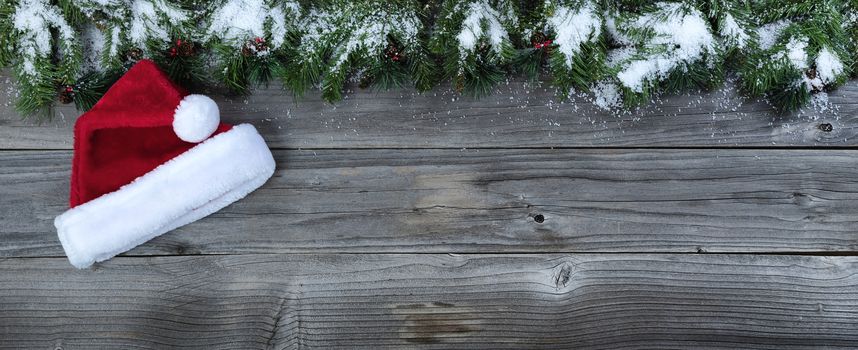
column 562, row 274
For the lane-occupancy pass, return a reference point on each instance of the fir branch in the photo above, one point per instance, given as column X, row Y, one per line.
column 36, row 96
column 578, row 49
column 90, row 87
column 182, row 62
column 670, row 46
column 35, row 24
column 248, row 39
column 7, row 33
column 807, row 52
column 378, row 38
column 473, row 37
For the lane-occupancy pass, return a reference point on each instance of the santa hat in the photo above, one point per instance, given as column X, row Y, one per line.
column 149, row 158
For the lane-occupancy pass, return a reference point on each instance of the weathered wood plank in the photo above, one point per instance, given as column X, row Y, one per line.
column 432, row 301
column 519, row 114
column 725, row 200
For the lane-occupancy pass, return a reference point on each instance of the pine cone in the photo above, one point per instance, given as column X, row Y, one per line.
column 99, row 18
column 66, row 94
column 186, row 48
column 365, row 81
column 393, row 54
column 133, row 55
column 541, row 41
column 815, row 85
column 393, row 51
column 254, row 47
column 537, row 38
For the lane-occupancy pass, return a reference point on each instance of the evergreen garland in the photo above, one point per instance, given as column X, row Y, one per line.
column 624, row 51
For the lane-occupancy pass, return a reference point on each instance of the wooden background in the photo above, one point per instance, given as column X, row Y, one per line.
column 399, row 220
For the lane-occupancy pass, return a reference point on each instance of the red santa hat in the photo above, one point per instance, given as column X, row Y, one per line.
column 149, row 158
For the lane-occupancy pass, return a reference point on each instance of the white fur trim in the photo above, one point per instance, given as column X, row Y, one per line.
column 201, row 181
column 196, row 118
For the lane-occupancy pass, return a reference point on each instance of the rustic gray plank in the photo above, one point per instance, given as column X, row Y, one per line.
column 608, row 200
column 432, row 301
column 519, row 114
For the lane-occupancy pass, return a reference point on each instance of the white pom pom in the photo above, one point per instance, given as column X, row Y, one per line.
column 196, row 118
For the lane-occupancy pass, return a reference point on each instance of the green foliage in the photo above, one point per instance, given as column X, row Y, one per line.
column 851, row 28
column 250, row 53
column 89, row 88
column 476, row 44
column 36, row 95
column 474, row 39
column 732, row 21
column 578, row 52
column 649, row 54
column 240, row 71
column 377, row 42
column 43, row 50
column 789, row 71
column 7, row 33
column 181, row 61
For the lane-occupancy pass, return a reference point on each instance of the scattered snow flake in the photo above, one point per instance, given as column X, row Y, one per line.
column 819, row 102
column 607, row 95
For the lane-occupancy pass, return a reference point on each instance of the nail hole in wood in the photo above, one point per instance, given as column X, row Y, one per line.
column 539, row 218
column 826, row 127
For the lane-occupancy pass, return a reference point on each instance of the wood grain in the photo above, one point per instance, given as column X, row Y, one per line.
column 519, row 114
column 432, row 301
column 723, row 200
column 400, row 220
